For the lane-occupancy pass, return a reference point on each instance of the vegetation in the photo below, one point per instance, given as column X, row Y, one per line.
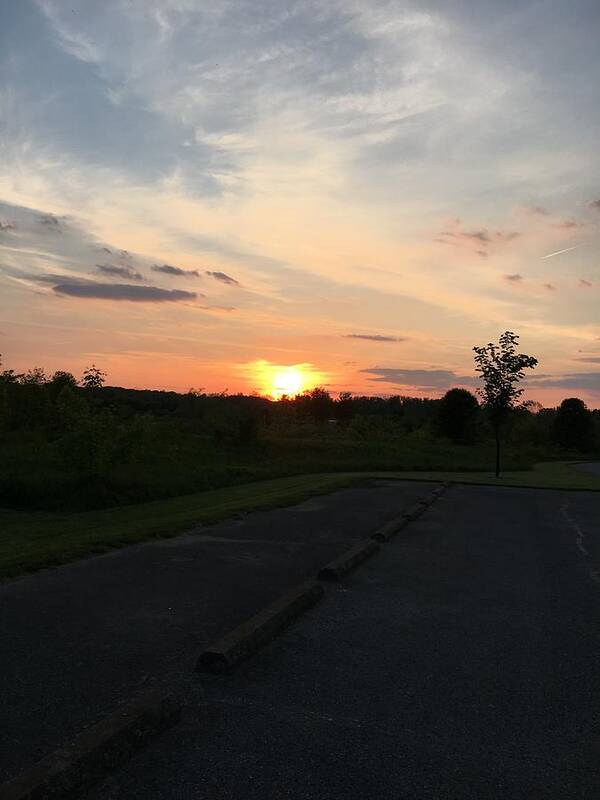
column 501, row 368
column 70, row 446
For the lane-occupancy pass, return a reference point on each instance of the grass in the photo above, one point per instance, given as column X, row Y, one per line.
column 33, row 540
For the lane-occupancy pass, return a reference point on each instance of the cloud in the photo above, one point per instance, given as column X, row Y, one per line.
column 168, row 269
column 507, row 236
column 537, row 210
column 223, row 278
column 468, row 236
column 568, row 224
column 584, row 283
column 50, row 221
column 514, row 278
column 121, row 291
column 594, row 205
column 421, row 378
column 478, row 238
column 589, row 359
column 374, row 337
column 121, row 272
column 573, row 380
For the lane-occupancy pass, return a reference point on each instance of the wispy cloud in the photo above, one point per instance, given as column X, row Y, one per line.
column 539, row 211
column 481, row 240
column 424, row 379
column 168, row 269
column 374, row 337
column 568, row 224
column 513, row 278
column 585, row 284
column 50, row 221
column 122, row 291
column 223, row 277
column 121, row 272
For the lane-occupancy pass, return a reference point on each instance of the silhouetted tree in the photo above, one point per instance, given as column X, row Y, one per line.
column 344, row 410
column 501, row 368
column 93, row 378
column 34, row 377
column 457, row 415
column 60, row 379
column 317, row 403
column 574, row 425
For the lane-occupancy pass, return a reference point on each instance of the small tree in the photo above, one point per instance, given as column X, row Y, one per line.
column 501, row 368
column 574, row 425
column 93, row 378
column 457, row 416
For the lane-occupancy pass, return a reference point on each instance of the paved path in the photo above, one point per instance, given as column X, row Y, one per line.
column 462, row 661
column 590, row 466
column 76, row 640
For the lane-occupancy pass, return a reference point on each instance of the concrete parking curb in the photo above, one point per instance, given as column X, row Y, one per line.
column 71, row 770
column 390, row 529
column 251, row 635
column 336, row 569
column 395, row 525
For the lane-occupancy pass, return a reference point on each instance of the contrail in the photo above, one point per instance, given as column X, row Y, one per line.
column 566, row 250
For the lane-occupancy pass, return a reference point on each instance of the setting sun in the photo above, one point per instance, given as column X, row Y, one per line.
column 279, row 380
column 289, row 381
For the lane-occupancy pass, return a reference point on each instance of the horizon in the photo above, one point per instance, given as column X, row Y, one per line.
column 268, row 195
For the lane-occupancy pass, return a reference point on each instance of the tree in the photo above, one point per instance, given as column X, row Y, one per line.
column 457, row 415
column 574, row 425
column 344, row 410
column 60, row 379
column 93, row 378
column 501, row 368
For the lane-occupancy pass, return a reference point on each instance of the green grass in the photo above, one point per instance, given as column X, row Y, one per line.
column 547, row 475
column 33, row 540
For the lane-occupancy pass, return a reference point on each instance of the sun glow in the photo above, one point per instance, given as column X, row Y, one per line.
column 277, row 380
column 288, row 381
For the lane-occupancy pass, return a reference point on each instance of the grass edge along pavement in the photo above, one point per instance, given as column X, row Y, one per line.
column 34, row 540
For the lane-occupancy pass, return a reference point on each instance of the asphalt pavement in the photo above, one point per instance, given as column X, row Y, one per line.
column 461, row 661
column 78, row 640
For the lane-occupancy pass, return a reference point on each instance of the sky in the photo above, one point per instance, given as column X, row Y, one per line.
column 209, row 195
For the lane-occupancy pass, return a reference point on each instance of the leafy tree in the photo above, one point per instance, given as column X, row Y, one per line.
column 34, row 377
column 60, row 379
column 4, row 407
column 317, row 403
column 70, row 409
column 501, row 368
column 574, row 425
column 457, row 416
column 93, row 378
column 344, row 410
